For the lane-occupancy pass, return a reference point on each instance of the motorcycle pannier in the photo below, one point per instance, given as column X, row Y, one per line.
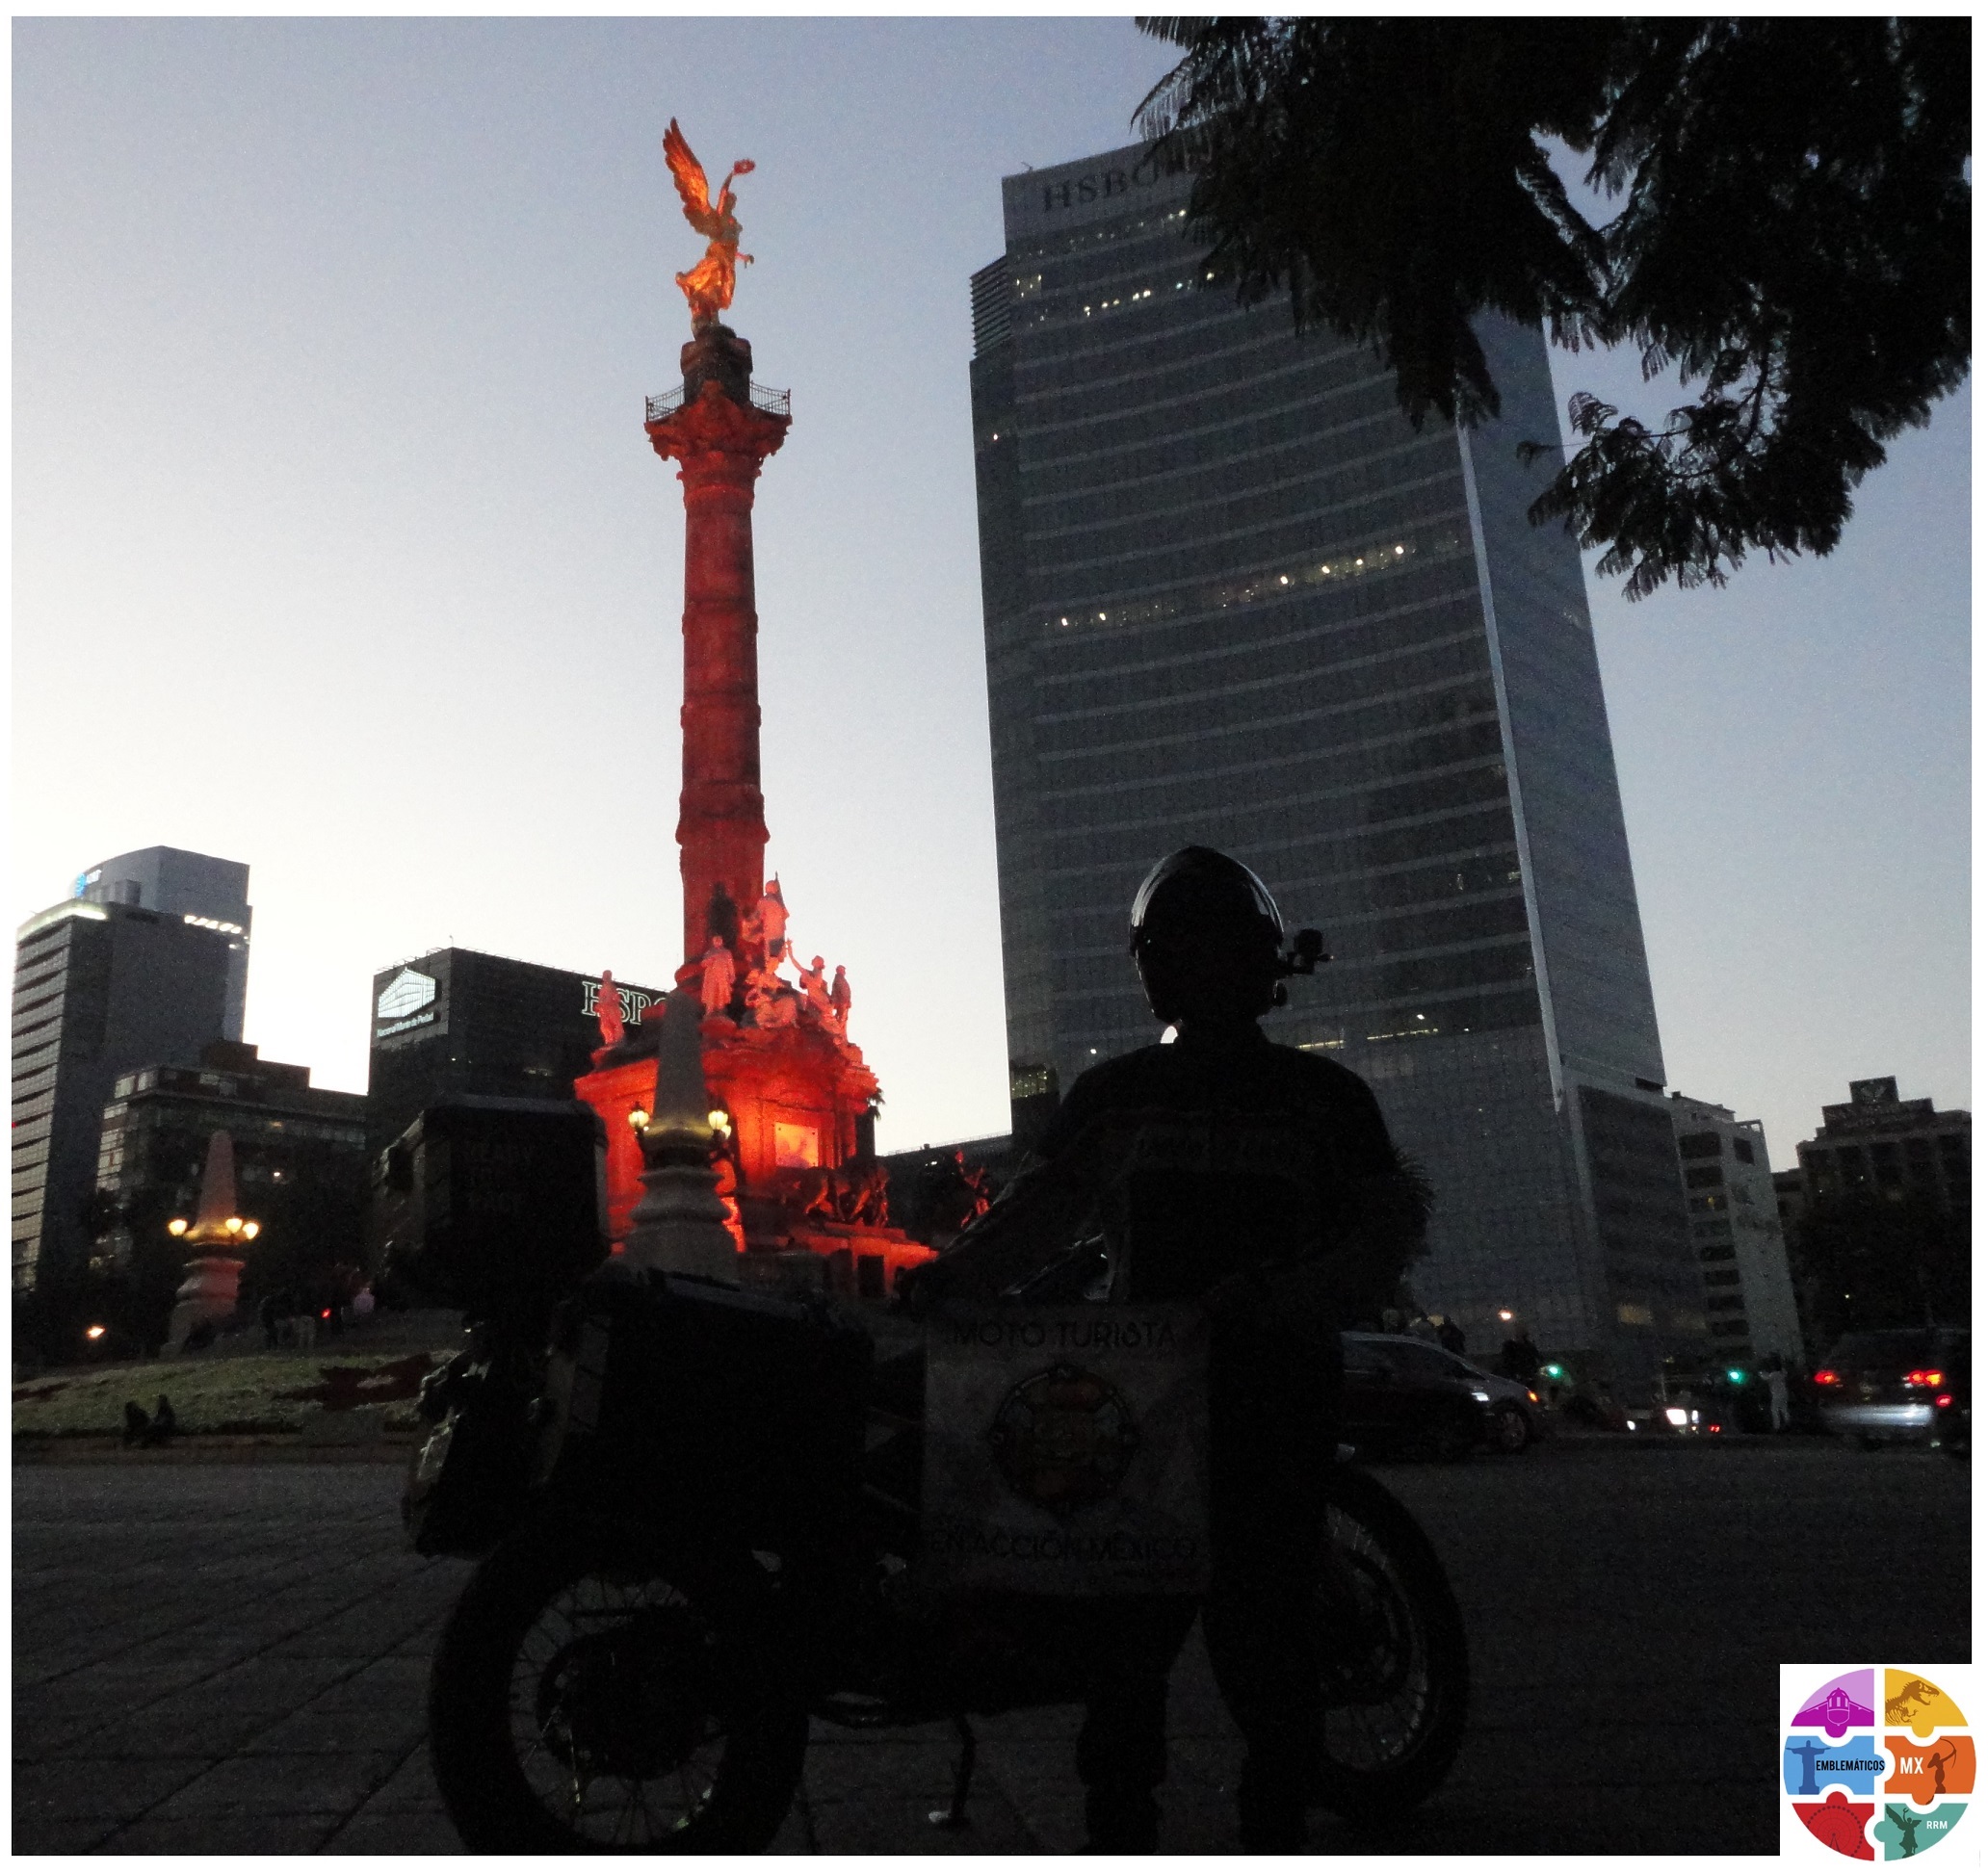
column 494, row 1205
column 738, row 1410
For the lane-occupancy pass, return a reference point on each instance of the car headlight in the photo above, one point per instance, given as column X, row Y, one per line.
column 1482, row 1397
column 1677, row 1417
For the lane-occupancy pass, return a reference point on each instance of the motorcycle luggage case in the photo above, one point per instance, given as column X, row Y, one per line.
column 490, row 1204
column 740, row 1411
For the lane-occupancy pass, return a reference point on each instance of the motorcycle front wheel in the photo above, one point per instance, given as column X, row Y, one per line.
column 1394, row 1660
column 590, row 1694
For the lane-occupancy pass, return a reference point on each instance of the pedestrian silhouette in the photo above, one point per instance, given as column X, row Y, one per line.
column 165, row 1422
column 136, row 1425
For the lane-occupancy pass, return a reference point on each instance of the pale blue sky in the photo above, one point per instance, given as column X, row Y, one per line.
column 339, row 550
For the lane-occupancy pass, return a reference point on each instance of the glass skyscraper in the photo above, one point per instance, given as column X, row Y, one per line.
column 1233, row 598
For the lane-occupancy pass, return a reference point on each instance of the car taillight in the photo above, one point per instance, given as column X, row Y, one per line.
column 1828, row 1378
column 1925, row 1380
column 1944, row 1401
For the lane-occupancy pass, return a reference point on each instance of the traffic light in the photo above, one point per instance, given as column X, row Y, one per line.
column 1736, row 1374
column 1555, row 1372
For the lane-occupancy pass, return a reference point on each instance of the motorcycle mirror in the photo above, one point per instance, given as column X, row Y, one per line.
column 1307, row 952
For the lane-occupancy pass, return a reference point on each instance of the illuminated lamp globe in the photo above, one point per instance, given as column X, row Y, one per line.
column 177, row 1226
column 251, row 1230
column 234, row 1225
column 94, row 1333
column 637, row 1118
column 720, row 1121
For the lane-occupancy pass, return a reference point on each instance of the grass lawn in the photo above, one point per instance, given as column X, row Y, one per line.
column 271, row 1392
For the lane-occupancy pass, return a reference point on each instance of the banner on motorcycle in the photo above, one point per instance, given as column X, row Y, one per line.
column 1066, row 1449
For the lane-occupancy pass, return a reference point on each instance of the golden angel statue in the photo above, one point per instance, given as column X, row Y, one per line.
column 708, row 285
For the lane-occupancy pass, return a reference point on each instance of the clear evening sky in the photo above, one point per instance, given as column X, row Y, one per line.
column 339, row 548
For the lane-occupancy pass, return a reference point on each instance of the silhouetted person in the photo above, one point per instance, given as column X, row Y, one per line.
column 1259, row 1180
column 136, row 1425
column 165, row 1424
column 266, row 1314
column 1449, row 1334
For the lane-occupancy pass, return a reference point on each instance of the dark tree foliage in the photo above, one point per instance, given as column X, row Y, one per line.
column 1791, row 231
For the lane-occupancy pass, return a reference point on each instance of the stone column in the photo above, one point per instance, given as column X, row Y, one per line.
column 719, row 439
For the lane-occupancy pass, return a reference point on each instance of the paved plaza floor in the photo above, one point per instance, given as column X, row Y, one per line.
column 231, row 1658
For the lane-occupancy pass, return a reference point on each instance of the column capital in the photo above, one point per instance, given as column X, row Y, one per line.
column 714, row 425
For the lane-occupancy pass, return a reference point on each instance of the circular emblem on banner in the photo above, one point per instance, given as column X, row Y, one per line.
column 1063, row 1437
column 1878, row 1764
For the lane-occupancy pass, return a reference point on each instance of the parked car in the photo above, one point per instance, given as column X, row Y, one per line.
column 1909, row 1384
column 1406, row 1397
column 1518, row 1419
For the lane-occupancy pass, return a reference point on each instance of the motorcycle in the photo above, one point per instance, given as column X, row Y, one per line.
column 693, row 1513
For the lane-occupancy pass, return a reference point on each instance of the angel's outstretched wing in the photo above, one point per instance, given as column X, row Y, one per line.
column 690, row 183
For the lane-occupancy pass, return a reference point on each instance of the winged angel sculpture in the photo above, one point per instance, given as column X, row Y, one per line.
column 708, row 285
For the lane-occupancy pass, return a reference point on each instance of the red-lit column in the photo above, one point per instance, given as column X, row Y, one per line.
column 719, row 439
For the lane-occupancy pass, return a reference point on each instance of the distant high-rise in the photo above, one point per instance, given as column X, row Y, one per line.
column 1233, row 598
column 211, row 893
column 99, row 988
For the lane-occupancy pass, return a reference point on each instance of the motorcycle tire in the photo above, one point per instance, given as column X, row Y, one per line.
column 594, row 1694
column 1395, row 1662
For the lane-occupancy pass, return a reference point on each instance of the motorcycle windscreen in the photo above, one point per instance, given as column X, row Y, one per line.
column 1065, row 1449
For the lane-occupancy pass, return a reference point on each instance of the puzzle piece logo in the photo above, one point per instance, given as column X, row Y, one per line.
column 1904, row 1833
column 1841, row 1705
column 1888, row 1788
column 1917, row 1704
column 1925, row 1773
column 1839, row 1823
column 1809, row 1764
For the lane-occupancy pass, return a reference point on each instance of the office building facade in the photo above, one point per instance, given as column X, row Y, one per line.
column 208, row 893
column 460, row 1021
column 1736, row 1228
column 1881, row 1144
column 300, row 1167
column 1232, row 598
column 99, row 989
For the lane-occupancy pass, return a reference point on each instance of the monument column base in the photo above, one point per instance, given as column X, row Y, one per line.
column 209, row 1292
column 679, row 1225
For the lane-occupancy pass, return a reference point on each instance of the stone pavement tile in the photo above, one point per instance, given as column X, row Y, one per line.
column 797, row 1834
column 313, row 1730
column 369, row 1631
column 1617, row 1754
column 101, row 1788
column 280, row 1784
column 189, row 1724
column 281, row 1682
column 1028, row 1758
column 401, row 1829
column 391, row 1683
column 58, row 1835
column 874, row 1795
column 209, row 1834
column 412, row 1784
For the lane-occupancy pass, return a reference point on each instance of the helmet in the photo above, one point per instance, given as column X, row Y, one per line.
column 1206, row 938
